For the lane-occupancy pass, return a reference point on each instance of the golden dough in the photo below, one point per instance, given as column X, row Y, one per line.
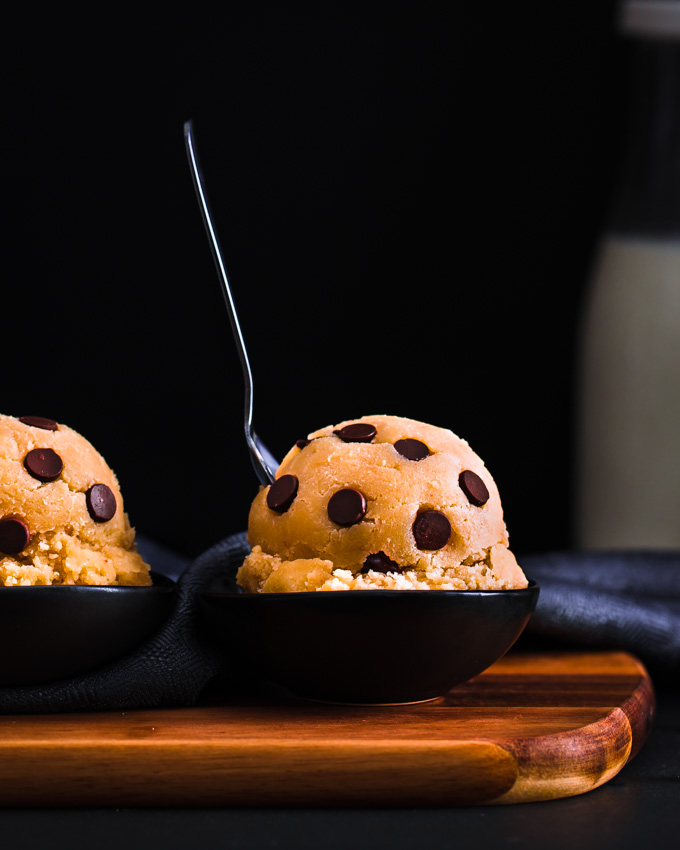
column 302, row 548
column 66, row 543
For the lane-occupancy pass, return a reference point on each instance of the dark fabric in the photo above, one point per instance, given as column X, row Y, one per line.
column 626, row 600
column 620, row 600
column 170, row 669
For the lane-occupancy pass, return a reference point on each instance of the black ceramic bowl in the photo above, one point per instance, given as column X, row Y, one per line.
column 367, row 646
column 53, row 633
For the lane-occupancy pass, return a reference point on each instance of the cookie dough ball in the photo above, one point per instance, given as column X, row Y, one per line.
column 61, row 512
column 379, row 502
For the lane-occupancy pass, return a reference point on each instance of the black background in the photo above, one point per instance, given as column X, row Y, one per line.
column 408, row 198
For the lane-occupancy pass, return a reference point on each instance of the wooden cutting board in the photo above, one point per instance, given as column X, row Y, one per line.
column 533, row 727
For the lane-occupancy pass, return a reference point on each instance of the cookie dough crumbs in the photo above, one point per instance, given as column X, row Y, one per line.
column 380, row 502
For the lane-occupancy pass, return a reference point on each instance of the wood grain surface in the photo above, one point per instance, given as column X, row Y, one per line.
column 533, row 727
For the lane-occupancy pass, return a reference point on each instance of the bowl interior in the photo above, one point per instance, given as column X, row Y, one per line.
column 367, row 646
column 54, row 633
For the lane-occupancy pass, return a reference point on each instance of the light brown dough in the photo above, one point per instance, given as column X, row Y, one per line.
column 66, row 545
column 303, row 549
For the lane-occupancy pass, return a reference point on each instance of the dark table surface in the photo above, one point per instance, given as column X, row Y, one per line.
column 639, row 806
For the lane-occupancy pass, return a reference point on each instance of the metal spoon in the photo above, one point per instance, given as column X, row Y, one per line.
column 264, row 463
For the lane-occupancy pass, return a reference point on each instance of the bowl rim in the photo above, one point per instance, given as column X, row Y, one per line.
column 533, row 588
column 161, row 584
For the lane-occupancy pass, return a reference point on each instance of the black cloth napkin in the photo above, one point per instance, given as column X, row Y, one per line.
column 614, row 600
column 169, row 669
column 627, row 600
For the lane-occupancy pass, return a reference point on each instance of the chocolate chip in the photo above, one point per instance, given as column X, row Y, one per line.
column 432, row 530
column 412, row 449
column 282, row 493
column 43, row 464
column 302, row 443
column 358, row 432
column 14, row 535
column 473, row 487
column 347, row 507
column 380, row 563
column 101, row 503
column 40, row 422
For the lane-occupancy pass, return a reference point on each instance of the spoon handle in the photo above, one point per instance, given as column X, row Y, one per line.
column 263, row 461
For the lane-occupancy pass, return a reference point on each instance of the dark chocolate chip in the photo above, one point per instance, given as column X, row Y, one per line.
column 43, row 464
column 14, row 535
column 412, row 449
column 358, row 432
column 282, row 493
column 432, row 530
column 380, row 563
column 40, row 422
column 347, row 507
column 473, row 487
column 101, row 503
column 302, row 443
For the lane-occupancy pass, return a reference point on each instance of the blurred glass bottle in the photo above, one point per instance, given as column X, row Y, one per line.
column 628, row 440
